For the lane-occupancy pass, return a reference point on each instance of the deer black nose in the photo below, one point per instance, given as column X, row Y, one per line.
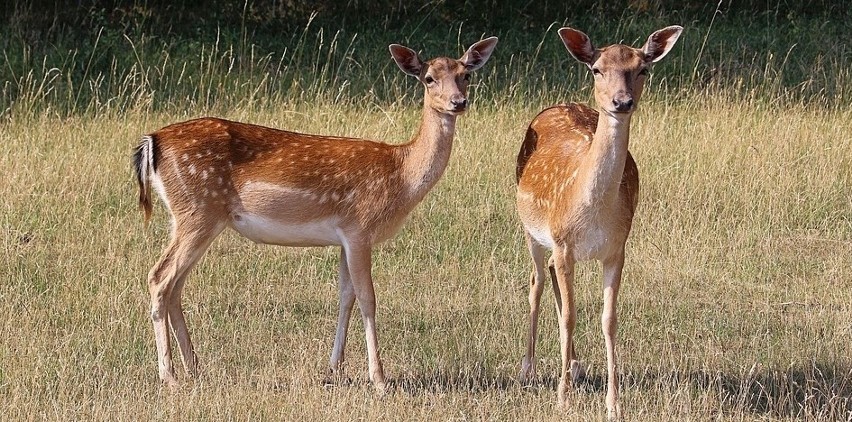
column 459, row 103
column 623, row 104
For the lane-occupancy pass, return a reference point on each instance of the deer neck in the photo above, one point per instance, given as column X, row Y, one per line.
column 600, row 174
column 426, row 156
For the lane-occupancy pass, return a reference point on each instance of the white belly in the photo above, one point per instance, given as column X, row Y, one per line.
column 534, row 219
column 592, row 243
column 541, row 234
column 286, row 233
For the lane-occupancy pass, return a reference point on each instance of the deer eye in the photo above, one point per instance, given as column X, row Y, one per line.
column 429, row 80
column 596, row 71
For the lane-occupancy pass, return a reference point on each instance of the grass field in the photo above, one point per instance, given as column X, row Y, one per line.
column 736, row 302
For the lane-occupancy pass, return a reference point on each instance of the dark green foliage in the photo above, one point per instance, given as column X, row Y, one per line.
column 187, row 16
column 110, row 55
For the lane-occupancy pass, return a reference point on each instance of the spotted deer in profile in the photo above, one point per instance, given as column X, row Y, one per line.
column 577, row 192
column 292, row 189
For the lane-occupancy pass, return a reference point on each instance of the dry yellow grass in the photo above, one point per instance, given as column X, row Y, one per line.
column 736, row 303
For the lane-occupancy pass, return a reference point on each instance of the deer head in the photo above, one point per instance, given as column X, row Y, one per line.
column 446, row 80
column 619, row 70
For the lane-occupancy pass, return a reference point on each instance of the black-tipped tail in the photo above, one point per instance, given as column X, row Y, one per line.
column 144, row 163
column 527, row 149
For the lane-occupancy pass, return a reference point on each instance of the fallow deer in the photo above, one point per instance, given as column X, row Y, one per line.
column 578, row 190
column 293, row 189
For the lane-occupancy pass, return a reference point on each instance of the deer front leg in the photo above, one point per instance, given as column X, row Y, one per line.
column 360, row 262
column 564, row 268
column 347, row 301
column 578, row 371
column 612, row 269
column 536, row 288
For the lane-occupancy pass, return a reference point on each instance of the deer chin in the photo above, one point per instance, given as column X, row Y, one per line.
column 453, row 111
column 449, row 109
column 619, row 115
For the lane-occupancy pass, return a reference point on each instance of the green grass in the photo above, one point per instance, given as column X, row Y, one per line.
column 736, row 298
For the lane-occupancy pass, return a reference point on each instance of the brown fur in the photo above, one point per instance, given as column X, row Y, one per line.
column 227, row 155
column 556, row 144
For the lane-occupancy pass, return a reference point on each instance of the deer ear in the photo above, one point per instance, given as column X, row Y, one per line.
column 660, row 43
column 479, row 53
column 579, row 45
column 406, row 59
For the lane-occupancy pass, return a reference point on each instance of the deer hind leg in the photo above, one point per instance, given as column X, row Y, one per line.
column 564, row 271
column 344, row 315
column 537, row 277
column 360, row 262
column 165, row 284
column 612, row 269
column 177, row 322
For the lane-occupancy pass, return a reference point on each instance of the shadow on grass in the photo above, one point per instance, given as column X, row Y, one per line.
column 475, row 380
column 815, row 391
column 818, row 390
